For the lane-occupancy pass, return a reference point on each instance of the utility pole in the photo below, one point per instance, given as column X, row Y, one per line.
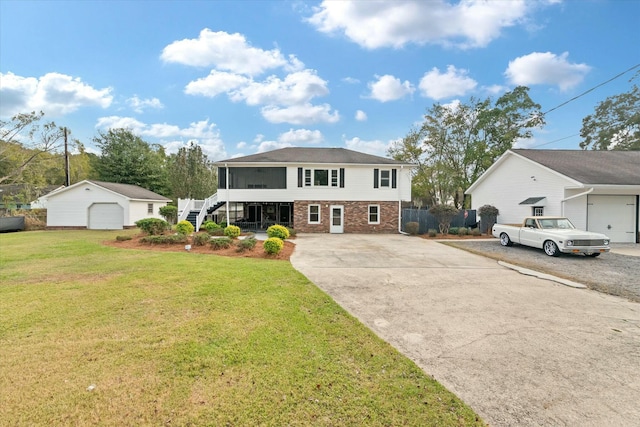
column 67, row 180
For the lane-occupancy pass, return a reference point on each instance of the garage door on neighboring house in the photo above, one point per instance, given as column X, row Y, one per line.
column 614, row 216
column 106, row 216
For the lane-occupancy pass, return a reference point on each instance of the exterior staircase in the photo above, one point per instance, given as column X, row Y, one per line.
column 195, row 211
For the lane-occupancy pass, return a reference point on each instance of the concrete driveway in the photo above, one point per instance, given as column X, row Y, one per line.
column 519, row 350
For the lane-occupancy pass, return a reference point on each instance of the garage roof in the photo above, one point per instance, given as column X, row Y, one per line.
column 590, row 167
column 129, row 190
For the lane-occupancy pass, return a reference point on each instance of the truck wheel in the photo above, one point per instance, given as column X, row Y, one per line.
column 550, row 248
column 505, row 240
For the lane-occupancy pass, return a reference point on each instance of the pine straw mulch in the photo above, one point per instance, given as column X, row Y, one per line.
column 256, row 252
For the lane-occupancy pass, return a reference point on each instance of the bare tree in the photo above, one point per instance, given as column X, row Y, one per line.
column 22, row 140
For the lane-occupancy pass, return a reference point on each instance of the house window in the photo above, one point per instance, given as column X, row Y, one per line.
column 334, row 177
column 374, row 214
column 314, row 214
column 538, row 211
column 150, row 208
column 385, row 178
column 324, row 177
column 321, row 177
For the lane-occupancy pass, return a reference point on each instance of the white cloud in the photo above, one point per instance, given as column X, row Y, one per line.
column 389, row 88
column 375, row 24
column 215, row 83
column 172, row 137
column 296, row 88
column 241, row 145
column 454, row 82
column 375, row 147
column 230, row 52
column 54, row 93
column 271, row 145
column 351, row 80
column 546, row 68
column 361, row 116
column 139, row 105
column 301, row 136
column 301, row 114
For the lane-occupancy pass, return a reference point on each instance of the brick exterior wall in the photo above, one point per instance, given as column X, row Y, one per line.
column 356, row 216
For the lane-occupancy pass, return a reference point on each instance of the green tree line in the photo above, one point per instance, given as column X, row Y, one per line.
column 32, row 153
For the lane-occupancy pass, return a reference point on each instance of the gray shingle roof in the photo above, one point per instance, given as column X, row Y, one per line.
column 130, row 191
column 314, row 155
column 592, row 167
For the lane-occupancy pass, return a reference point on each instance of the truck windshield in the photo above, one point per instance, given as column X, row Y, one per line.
column 562, row 223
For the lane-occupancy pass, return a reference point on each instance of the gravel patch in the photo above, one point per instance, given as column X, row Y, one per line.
column 610, row 273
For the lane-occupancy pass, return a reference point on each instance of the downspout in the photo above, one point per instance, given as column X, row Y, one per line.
column 226, row 180
column 575, row 196
column 400, row 204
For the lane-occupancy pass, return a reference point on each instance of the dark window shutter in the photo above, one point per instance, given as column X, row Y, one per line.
column 393, row 178
column 341, row 177
column 375, row 178
column 299, row 177
column 222, row 178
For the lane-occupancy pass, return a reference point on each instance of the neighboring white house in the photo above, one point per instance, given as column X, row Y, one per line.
column 318, row 190
column 101, row 205
column 597, row 190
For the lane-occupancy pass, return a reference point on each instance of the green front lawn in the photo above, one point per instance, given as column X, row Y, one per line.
column 91, row 334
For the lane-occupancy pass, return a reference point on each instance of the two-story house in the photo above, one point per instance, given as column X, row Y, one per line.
column 316, row 190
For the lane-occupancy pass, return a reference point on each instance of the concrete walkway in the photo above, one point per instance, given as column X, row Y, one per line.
column 518, row 349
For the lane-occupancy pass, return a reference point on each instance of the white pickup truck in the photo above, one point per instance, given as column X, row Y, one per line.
column 554, row 235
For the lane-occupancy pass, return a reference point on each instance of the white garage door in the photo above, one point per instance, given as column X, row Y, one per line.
column 614, row 216
column 106, row 216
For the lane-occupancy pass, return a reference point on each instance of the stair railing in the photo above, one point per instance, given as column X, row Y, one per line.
column 207, row 203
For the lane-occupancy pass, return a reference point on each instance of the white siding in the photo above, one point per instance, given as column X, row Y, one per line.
column 515, row 180
column 576, row 211
column 138, row 210
column 358, row 187
column 70, row 208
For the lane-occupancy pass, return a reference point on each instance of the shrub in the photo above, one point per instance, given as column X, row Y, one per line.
column 412, row 228
column 273, row 245
column 160, row 239
column 169, row 213
column 462, row 231
column 201, row 239
column 432, row 232
column 453, row 230
column 217, row 232
column 444, row 214
column 278, row 231
column 247, row 244
column 210, row 226
column 184, row 227
column 153, row 226
column 221, row 243
column 123, row 238
column 232, row 231
column 292, row 232
column 476, row 232
column 488, row 216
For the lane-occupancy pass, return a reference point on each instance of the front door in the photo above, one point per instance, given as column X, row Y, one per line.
column 337, row 219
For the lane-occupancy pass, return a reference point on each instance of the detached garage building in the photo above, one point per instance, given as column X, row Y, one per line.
column 597, row 190
column 101, row 205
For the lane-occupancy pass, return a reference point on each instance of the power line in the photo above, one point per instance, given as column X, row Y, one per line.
column 592, row 89
column 579, row 96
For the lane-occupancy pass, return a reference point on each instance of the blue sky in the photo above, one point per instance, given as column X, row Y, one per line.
column 240, row 77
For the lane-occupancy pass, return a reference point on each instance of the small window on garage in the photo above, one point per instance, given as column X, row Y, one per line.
column 374, row 214
column 538, row 211
column 150, row 208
